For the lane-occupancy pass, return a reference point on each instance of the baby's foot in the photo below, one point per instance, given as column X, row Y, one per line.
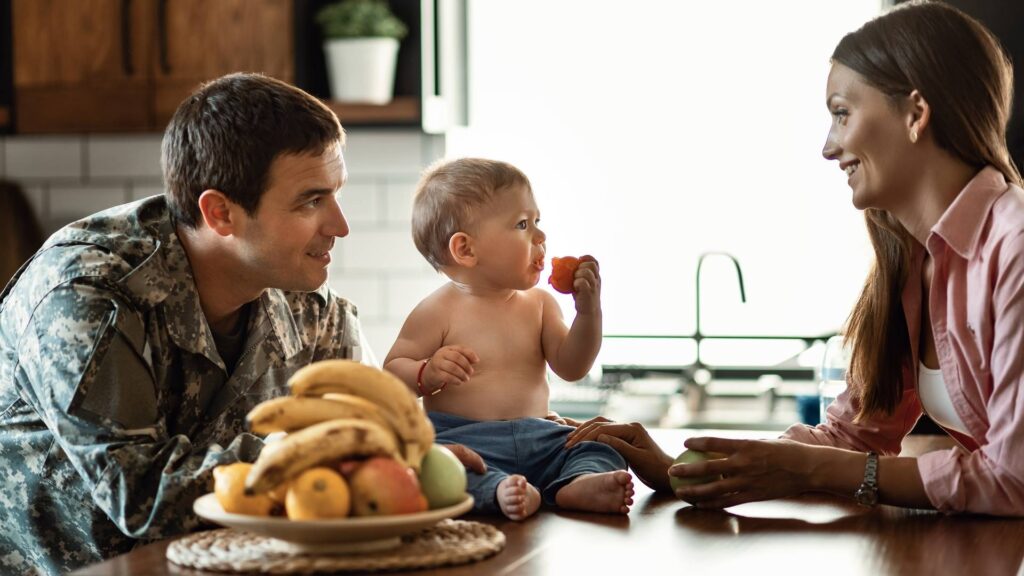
column 517, row 498
column 610, row 492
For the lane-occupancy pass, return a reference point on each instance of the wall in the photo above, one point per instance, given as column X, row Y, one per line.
column 376, row 266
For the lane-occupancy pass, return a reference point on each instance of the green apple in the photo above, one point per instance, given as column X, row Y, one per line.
column 442, row 477
column 690, row 457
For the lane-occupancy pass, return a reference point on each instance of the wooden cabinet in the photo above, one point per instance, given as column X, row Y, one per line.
column 79, row 65
column 125, row 65
column 198, row 40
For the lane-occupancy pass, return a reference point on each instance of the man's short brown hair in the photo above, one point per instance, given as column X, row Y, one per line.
column 226, row 134
column 448, row 196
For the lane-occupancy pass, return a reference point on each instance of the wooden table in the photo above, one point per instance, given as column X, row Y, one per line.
column 809, row 534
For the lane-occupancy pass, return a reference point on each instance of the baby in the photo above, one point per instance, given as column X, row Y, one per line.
column 478, row 348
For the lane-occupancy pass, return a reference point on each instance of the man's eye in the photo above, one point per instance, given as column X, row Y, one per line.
column 314, row 202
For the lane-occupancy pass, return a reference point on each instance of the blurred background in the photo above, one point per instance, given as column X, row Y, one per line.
column 674, row 141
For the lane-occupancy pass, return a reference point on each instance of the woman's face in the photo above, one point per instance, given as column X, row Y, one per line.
column 869, row 138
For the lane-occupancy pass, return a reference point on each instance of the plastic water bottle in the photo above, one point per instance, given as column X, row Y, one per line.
column 832, row 372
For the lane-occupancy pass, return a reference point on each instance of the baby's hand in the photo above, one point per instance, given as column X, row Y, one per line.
column 587, row 286
column 449, row 365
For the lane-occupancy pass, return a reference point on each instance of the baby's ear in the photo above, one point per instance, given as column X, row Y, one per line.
column 460, row 246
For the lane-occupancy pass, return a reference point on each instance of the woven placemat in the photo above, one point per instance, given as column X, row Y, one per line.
column 448, row 543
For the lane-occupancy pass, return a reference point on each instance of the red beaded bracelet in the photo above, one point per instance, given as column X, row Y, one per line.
column 419, row 380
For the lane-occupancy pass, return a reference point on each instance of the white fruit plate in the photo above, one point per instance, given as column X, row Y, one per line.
column 342, row 536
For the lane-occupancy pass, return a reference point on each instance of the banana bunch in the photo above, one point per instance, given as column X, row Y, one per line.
column 338, row 409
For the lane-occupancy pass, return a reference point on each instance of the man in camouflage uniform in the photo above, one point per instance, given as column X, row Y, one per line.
column 135, row 341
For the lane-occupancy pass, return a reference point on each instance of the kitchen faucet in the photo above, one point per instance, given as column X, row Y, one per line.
column 697, row 335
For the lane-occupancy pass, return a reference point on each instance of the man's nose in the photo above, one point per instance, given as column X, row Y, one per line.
column 336, row 224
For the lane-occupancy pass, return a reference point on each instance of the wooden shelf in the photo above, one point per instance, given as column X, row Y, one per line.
column 401, row 110
column 5, row 116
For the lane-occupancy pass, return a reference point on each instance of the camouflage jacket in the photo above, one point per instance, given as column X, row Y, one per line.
column 114, row 402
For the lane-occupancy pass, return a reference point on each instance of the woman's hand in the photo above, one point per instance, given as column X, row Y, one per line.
column 645, row 457
column 753, row 470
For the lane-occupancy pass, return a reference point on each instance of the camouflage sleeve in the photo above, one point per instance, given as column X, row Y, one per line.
column 340, row 334
column 87, row 375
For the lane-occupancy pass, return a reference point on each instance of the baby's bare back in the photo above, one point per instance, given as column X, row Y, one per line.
column 510, row 380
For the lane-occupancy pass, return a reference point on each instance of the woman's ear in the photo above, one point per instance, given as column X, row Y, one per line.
column 919, row 115
column 216, row 211
column 460, row 246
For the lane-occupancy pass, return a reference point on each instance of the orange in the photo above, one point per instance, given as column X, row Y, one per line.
column 316, row 494
column 229, row 488
column 563, row 273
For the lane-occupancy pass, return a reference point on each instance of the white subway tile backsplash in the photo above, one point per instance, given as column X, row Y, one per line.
column 404, row 293
column 361, row 201
column 381, row 250
column 366, row 292
column 69, row 203
column 376, row 266
column 381, row 334
column 124, row 156
column 43, row 157
column 378, row 151
column 399, row 197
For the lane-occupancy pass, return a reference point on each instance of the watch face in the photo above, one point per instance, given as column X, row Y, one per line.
column 866, row 496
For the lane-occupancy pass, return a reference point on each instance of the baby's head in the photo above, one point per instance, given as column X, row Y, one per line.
column 450, row 198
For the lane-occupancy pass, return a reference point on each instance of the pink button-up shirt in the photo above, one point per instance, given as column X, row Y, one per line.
column 976, row 303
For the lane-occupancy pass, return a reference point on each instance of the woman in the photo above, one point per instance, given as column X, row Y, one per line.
column 920, row 99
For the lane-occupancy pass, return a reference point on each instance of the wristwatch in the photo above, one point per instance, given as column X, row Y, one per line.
column 867, row 494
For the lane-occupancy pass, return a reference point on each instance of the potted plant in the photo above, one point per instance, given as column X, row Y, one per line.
column 361, row 45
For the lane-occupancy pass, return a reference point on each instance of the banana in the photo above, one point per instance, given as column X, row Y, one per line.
column 290, row 413
column 316, row 445
column 398, row 405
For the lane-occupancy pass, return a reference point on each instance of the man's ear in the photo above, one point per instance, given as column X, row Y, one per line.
column 919, row 115
column 216, row 210
column 460, row 246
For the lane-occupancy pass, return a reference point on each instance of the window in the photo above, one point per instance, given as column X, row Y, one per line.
column 656, row 130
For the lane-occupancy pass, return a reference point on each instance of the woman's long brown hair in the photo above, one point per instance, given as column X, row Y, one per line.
column 960, row 69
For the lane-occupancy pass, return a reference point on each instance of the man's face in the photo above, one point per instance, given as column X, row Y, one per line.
column 287, row 243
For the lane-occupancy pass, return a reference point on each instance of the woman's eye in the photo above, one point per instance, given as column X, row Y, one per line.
column 840, row 114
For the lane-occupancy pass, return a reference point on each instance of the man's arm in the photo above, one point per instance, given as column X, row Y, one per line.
column 83, row 369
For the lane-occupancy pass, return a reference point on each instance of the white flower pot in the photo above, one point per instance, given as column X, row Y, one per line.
column 362, row 70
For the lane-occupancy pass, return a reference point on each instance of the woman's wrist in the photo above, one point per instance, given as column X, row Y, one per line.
column 837, row 471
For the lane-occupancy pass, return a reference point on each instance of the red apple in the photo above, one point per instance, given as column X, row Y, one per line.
column 382, row 486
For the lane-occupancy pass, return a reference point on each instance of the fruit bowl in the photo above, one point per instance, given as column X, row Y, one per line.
column 341, row 536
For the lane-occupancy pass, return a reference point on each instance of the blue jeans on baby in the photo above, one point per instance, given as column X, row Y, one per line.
column 533, row 447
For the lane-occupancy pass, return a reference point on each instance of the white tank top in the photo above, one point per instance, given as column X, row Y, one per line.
column 931, row 389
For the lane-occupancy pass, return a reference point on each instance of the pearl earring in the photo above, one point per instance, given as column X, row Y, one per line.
column 913, row 136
